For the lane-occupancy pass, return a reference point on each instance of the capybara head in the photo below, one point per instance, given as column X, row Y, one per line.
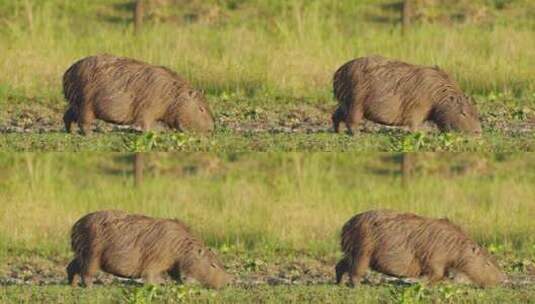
column 208, row 269
column 194, row 114
column 481, row 267
column 457, row 113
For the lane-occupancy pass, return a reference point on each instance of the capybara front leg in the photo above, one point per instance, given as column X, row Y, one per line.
column 152, row 278
column 436, row 274
column 73, row 273
column 175, row 274
column 69, row 118
column 144, row 124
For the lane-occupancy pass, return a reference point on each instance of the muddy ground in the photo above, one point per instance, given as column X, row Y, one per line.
column 248, row 271
column 247, row 118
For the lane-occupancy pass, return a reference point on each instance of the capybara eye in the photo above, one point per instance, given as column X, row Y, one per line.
column 201, row 109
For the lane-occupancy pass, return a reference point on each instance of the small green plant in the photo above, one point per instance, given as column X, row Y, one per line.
column 140, row 295
column 143, row 142
column 414, row 142
column 413, row 294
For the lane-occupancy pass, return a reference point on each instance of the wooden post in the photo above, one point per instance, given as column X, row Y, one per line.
column 138, row 169
column 406, row 14
column 29, row 15
column 407, row 163
column 139, row 12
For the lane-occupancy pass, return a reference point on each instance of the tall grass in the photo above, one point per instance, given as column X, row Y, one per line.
column 258, row 201
column 291, row 50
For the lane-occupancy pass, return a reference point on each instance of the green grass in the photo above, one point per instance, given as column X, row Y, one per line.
column 279, row 294
column 223, row 141
column 270, row 54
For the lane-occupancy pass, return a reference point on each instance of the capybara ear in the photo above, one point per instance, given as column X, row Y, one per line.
column 201, row 251
column 476, row 250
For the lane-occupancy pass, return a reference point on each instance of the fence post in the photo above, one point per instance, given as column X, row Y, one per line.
column 139, row 12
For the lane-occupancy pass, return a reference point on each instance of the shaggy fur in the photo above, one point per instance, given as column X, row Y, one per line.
column 126, row 91
column 135, row 246
column 400, row 94
column 407, row 245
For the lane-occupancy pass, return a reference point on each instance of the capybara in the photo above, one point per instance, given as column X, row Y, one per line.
column 129, row 92
column 408, row 245
column 137, row 246
column 400, row 94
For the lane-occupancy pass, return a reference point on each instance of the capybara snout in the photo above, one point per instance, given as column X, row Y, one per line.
column 136, row 246
column 407, row 245
column 130, row 92
column 210, row 269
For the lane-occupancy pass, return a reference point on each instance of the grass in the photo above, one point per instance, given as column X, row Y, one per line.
column 268, row 53
column 263, row 211
column 298, row 294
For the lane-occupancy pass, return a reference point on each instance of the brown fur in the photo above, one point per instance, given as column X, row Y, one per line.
column 137, row 246
column 408, row 245
column 126, row 91
column 400, row 94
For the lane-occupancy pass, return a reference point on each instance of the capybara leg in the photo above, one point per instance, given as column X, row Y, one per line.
column 73, row 273
column 358, row 269
column 85, row 121
column 341, row 268
column 337, row 117
column 89, row 272
column 68, row 118
column 175, row 274
column 354, row 118
column 436, row 274
column 144, row 124
column 152, row 278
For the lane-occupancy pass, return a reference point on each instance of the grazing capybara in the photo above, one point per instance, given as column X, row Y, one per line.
column 137, row 246
column 408, row 245
column 129, row 92
column 400, row 94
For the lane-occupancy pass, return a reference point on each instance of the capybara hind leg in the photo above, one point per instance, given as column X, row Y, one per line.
column 85, row 121
column 354, row 118
column 336, row 118
column 73, row 273
column 341, row 268
column 69, row 118
column 89, row 272
column 358, row 269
